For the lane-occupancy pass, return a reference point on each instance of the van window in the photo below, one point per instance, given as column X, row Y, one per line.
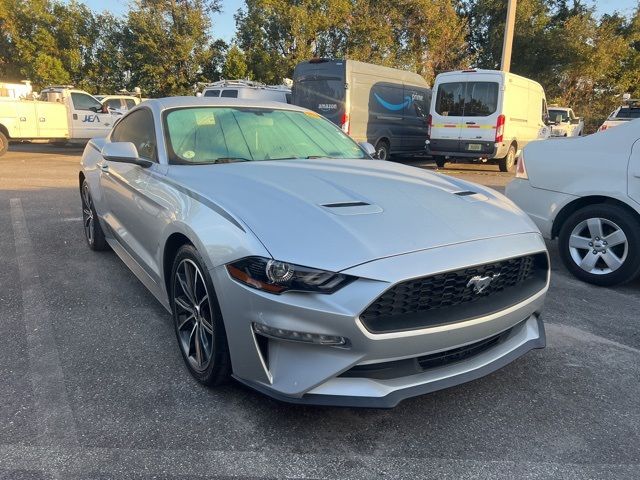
column 229, row 94
column 114, row 103
column 212, row 93
column 419, row 103
column 322, row 95
column 467, row 99
column 628, row 113
column 130, row 103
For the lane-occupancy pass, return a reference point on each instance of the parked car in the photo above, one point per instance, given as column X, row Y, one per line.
column 629, row 110
column 586, row 193
column 119, row 103
column 565, row 123
column 247, row 90
column 485, row 116
column 293, row 261
column 383, row 106
column 62, row 114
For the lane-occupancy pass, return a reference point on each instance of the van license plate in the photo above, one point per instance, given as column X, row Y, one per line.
column 474, row 147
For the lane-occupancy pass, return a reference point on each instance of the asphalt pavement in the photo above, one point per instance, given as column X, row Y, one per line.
column 92, row 385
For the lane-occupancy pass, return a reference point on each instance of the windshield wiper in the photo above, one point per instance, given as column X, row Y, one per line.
column 230, row 160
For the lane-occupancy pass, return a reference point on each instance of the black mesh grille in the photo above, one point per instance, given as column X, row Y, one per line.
column 435, row 299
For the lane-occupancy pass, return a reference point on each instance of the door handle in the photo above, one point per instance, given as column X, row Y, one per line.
column 75, row 116
column 42, row 119
column 470, row 123
column 23, row 119
column 104, row 167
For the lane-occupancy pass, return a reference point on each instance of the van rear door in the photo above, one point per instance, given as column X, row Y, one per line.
column 324, row 94
column 447, row 116
column 480, row 116
column 415, row 115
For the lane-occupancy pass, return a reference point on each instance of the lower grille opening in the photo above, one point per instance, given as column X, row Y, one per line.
column 412, row 366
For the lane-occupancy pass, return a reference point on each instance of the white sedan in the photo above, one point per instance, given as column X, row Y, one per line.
column 586, row 192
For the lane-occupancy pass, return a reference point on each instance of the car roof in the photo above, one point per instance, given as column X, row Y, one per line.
column 177, row 102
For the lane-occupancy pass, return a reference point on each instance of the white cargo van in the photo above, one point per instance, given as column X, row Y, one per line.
column 485, row 115
column 247, row 89
column 62, row 114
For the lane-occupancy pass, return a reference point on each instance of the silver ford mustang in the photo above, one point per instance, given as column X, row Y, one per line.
column 302, row 267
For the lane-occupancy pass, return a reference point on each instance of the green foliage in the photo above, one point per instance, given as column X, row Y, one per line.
column 235, row 65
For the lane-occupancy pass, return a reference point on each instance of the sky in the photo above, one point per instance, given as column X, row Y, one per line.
column 224, row 25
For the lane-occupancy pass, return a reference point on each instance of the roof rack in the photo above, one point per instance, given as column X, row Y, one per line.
column 58, row 86
column 243, row 83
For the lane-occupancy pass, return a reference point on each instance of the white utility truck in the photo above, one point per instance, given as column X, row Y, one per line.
column 61, row 115
column 564, row 122
column 486, row 116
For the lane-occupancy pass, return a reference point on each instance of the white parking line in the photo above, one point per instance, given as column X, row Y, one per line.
column 54, row 415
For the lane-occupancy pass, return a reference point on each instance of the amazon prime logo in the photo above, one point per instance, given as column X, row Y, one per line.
column 480, row 283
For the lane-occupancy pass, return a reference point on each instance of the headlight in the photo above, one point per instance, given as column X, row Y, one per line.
column 277, row 277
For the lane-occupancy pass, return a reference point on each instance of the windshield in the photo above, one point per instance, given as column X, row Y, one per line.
column 553, row 115
column 627, row 113
column 198, row 135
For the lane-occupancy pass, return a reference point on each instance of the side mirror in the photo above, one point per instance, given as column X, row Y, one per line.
column 124, row 152
column 575, row 121
column 368, row 149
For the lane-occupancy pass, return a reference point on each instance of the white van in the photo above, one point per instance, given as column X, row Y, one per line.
column 247, row 89
column 485, row 115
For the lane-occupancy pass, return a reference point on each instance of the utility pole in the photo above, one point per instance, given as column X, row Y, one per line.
column 508, row 36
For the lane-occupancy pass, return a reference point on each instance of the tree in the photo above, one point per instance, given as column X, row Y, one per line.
column 167, row 44
column 235, row 65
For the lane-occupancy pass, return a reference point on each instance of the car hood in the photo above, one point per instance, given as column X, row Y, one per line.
column 335, row 214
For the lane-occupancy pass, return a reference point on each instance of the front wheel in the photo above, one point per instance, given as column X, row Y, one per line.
column 508, row 163
column 198, row 320
column 440, row 161
column 600, row 244
column 4, row 144
column 93, row 233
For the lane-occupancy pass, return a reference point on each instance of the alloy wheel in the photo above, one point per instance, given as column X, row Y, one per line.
column 598, row 246
column 193, row 315
column 87, row 213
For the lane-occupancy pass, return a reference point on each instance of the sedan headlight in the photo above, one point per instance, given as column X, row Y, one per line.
column 277, row 277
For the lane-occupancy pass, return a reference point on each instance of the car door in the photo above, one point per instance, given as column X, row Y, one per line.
column 416, row 112
column 633, row 174
column 129, row 211
column 87, row 118
column 478, row 126
column 447, row 116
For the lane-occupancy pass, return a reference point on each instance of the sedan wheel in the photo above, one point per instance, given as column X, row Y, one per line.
column 93, row 233
column 198, row 321
column 599, row 244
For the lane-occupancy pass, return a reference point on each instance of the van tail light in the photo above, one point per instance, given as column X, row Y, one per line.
column 521, row 168
column 500, row 129
column 344, row 124
column 429, row 125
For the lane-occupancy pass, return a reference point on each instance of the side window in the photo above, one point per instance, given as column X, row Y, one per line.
column 138, row 128
column 212, row 93
column 229, row 93
column 418, row 105
column 114, row 103
column 545, row 112
column 130, row 103
column 82, row 101
column 287, row 97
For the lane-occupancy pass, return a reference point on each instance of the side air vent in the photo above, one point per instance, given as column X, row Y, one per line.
column 345, row 204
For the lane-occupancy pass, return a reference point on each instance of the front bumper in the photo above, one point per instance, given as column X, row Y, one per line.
column 306, row 373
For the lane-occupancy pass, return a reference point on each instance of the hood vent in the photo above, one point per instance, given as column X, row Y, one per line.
column 470, row 196
column 465, row 193
column 345, row 204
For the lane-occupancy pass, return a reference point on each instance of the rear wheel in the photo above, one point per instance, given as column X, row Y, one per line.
column 508, row 163
column 4, row 144
column 198, row 321
column 600, row 244
column 382, row 150
column 440, row 161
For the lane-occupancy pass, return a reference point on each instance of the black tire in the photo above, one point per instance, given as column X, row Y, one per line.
column 610, row 215
column 60, row 144
column 508, row 163
column 93, row 233
column 382, row 150
column 206, row 327
column 4, row 144
column 440, row 161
